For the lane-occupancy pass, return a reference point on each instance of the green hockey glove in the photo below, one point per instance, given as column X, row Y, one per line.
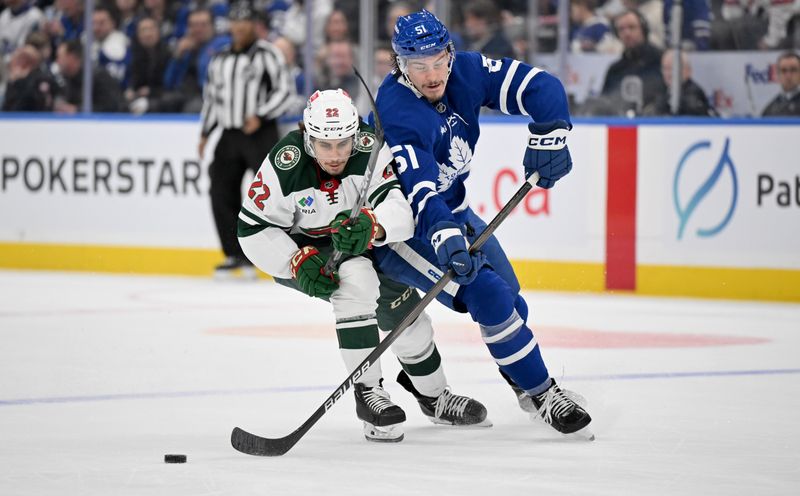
column 356, row 237
column 307, row 266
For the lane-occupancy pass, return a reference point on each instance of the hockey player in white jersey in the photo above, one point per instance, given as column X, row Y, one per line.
column 429, row 106
column 295, row 212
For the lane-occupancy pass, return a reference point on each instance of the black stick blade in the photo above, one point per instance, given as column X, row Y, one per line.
column 250, row 444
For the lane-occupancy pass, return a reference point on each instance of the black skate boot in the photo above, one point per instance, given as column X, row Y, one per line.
column 447, row 408
column 558, row 409
column 382, row 419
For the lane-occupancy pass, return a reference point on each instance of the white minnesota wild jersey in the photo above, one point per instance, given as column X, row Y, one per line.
column 292, row 195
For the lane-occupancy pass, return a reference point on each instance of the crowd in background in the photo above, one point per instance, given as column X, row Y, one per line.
column 150, row 56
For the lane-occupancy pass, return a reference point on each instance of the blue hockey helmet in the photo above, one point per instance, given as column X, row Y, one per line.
column 419, row 34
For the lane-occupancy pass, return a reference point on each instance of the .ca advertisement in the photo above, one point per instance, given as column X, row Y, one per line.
column 719, row 196
column 565, row 223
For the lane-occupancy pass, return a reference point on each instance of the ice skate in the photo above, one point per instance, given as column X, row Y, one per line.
column 559, row 409
column 235, row 268
column 383, row 420
column 448, row 408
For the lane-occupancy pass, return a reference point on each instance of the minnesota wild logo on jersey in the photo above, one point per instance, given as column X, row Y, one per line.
column 287, row 157
column 365, row 141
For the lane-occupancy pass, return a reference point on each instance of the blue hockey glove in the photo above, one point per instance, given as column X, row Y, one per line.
column 547, row 152
column 452, row 253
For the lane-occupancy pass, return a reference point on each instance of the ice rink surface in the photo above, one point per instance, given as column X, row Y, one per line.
column 102, row 375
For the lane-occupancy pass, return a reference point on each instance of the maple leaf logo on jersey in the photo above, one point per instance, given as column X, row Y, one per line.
column 460, row 157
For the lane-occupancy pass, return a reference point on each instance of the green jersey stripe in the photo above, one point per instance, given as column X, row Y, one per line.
column 243, row 229
column 260, row 220
column 379, row 194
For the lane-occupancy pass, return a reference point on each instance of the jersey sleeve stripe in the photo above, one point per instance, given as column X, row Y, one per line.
column 247, row 215
column 421, row 205
column 523, row 86
column 418, row 187
column 380, row 193
column 506, row 85
column 243, row 229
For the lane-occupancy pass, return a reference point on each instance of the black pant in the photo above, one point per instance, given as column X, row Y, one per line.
column 235, row 153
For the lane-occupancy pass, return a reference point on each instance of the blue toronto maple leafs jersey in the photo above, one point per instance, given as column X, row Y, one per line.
column 433, row 144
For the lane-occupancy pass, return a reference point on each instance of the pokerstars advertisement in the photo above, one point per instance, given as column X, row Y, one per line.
column 719, row 196
column 104, row 181
column 565, row 223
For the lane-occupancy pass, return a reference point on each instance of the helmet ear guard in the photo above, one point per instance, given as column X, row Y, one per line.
column 329, row 115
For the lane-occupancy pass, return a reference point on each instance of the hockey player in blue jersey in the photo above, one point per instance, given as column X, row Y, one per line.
column 429, row 106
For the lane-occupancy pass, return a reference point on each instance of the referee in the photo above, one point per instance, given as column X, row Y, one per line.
column 247, row 89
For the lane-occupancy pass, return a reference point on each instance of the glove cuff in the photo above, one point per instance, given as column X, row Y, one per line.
column 554, row 140
column 300, row 256
column 441, row 232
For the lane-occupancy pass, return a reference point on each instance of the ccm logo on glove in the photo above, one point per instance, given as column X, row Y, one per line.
column 555, row 140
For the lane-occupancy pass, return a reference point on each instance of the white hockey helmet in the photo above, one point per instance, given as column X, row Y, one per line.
column 329, row 115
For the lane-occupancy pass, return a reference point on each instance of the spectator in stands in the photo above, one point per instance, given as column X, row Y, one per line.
column 384, row 62
column 337, row 28
column 17, row 21
column 158, row 10
column 293, row 23
column 29, row 88
column 41, row 42
column 693, row 100
column 787, row 103
column 635, row 79
column 337, row 72
column 111, row 47
column 482, row 30
column 396, row 9
column 780, row 14
column 592, row 32
column 653, row 13
column 67, row 21
column 740, row 25
column 187, row 69
column 148, row 64
column 219, row 15
column 289, row 52
column 106, row 93
column 696, row 25
column 128, row 15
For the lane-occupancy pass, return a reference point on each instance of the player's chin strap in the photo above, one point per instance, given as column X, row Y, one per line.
column 333, row 262
column 252, row 444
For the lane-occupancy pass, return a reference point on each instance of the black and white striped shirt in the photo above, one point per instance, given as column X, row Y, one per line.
column 240, row 84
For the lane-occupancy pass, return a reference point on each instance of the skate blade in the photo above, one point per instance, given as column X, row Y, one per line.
column 485, row 423
column 584, row 434
column 383, row 434
column 240, row 274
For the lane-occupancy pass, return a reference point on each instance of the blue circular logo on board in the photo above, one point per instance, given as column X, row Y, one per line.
column 689, row 210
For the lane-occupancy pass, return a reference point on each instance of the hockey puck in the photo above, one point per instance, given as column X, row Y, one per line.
column 174, row 458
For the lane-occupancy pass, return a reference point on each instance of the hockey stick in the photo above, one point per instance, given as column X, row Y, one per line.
column 252, row 444
column 336, row 257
